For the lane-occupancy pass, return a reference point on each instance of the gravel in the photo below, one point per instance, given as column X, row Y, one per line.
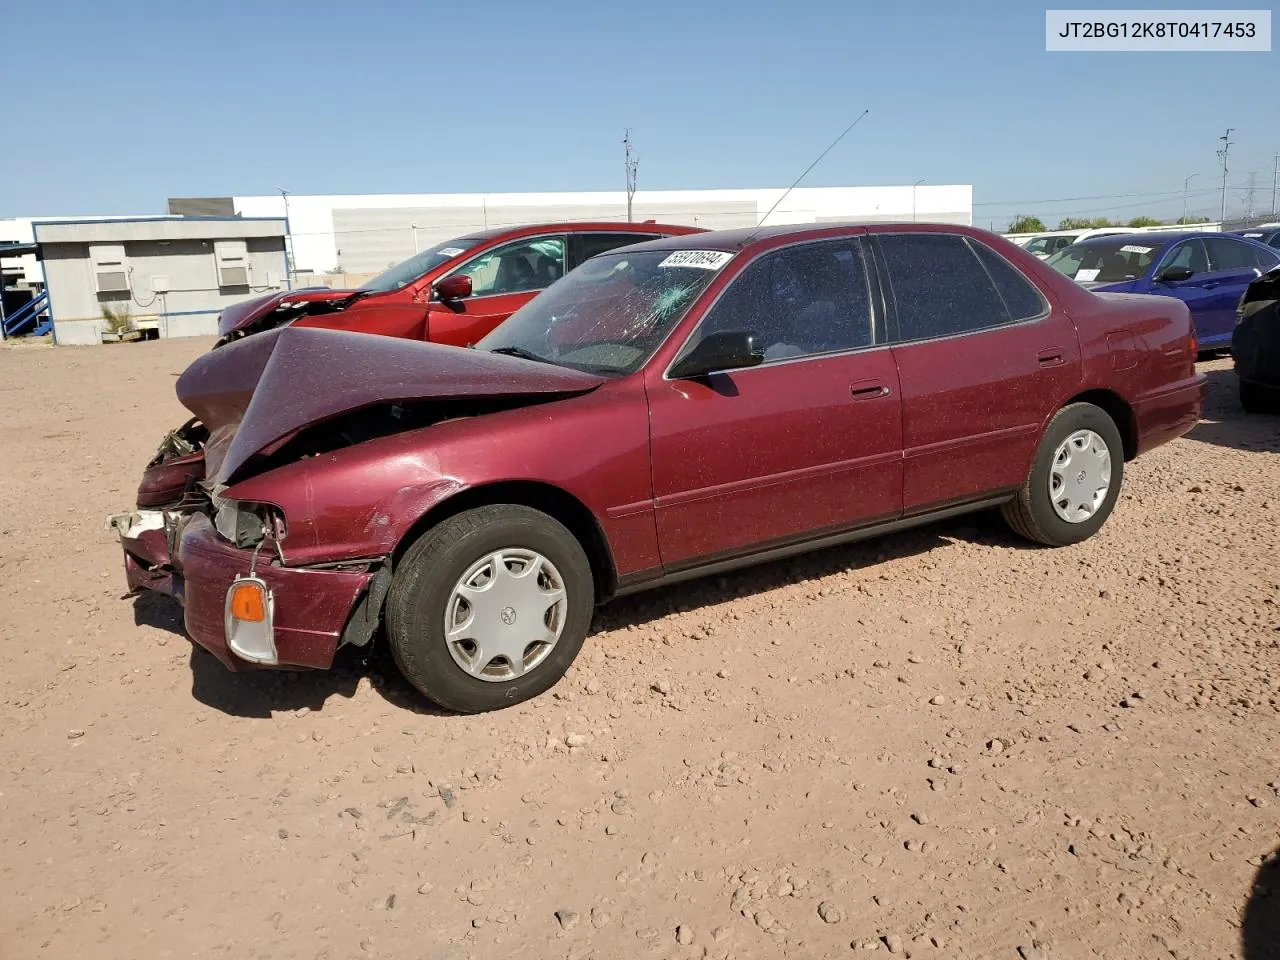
column 141, row 843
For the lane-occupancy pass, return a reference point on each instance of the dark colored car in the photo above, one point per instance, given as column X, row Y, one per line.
column 1268, row 233
column 454, row 292
column 1206, row 271
column 672, row 409
column 1255, row 345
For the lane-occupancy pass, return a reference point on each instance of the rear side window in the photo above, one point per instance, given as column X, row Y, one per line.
column 594, row 243
column 1230, row 254
column 1020, row 295
column 940, row 287
column 1267, row 258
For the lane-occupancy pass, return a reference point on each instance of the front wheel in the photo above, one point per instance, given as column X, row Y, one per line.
column 490, row 607
column 1074, row 479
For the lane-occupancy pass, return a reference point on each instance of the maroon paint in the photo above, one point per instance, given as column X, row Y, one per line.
column 411, row 313
column 674, row 473
column 304, row 376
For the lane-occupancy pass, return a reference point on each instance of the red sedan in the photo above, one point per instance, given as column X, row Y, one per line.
column 454, row 292
column 674, row 408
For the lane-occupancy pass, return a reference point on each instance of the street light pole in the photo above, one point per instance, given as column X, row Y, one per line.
column 289, row 262
column 1186, row 183
column 414, row 227
column 913, row 198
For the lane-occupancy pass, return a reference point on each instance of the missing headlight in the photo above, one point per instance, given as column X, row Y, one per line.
column 244, row 524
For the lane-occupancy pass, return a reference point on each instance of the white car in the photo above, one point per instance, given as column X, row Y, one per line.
column 1045, row 245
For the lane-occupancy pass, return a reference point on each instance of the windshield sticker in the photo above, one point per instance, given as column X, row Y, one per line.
column 1133, row 248
column 702, row 259
column 1084, row 276
column 451, row 251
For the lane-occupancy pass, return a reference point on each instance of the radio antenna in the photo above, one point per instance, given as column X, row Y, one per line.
column 786, row 192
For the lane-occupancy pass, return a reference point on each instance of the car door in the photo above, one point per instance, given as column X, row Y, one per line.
column 503, row 280
column 983, row 362
column 1233, row 265
column 808, row 442
column 1196, row 291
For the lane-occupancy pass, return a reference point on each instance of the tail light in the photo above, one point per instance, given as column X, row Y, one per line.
column 1195, row 344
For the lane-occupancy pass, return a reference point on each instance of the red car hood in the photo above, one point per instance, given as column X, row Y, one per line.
column 247, row 312
column 255, row 392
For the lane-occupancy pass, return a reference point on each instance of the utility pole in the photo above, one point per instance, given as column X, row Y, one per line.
column 1248, row 197
column 1222, row 156
column 288, row 242
column 1186, row 183
column 629, row 164
column 1275, row 177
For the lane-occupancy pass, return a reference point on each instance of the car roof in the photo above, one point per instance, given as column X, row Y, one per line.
column 739, row 238
column 593, row 226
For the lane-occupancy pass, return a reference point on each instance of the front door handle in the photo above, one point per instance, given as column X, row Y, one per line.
column 868, row 390
column 1049, row 358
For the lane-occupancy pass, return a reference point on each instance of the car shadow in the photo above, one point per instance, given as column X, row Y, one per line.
column 1260, row 931
column 260, row 694
column 984, row 527
column 1225, row 423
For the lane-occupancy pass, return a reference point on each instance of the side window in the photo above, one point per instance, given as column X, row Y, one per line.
column 517, row 267
column 940, row 286
column 1266, row 259
column 1190, row 254
column 1275, row 240
column 1020, row 295
column 596, row 243
column 1230, row 254
column 800, row 301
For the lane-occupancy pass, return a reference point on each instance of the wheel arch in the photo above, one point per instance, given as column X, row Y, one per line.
column 547, row 498
column 1118, row 409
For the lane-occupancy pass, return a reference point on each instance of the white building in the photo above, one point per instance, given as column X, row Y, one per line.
column 367, row 233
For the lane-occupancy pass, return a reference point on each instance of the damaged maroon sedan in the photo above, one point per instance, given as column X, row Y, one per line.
column 670, row 409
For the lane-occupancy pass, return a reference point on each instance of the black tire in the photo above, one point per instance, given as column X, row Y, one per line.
column 1031, row 513
column 1257, row 398
column 424, row 581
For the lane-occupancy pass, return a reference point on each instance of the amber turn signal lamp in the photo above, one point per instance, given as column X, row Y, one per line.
column 248, row 602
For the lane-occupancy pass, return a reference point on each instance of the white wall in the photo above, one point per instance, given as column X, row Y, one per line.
column 316, row 246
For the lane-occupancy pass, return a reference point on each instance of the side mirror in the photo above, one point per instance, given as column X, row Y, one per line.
column 456, row 287
column 724, row 350
column 1175, row 274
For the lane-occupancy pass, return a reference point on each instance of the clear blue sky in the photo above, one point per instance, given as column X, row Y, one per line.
column 123, row 105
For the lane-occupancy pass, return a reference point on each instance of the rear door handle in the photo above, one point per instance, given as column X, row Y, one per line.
column 1050, row 358
column 868, row 390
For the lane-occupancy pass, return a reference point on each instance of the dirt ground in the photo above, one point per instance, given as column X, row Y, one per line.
column 940, row 744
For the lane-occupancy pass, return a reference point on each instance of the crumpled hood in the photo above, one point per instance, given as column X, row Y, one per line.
column 259, row 390
column 247, row 312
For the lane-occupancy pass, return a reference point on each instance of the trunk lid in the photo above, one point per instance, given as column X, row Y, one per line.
column 257, row 391
column 248, row 313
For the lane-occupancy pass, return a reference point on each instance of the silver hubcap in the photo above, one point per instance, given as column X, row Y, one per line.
column 505, row 614
column 1080, row 476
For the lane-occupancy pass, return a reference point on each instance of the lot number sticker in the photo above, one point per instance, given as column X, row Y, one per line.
column 1084, row 276
column 702, row 259
column 1132, row 248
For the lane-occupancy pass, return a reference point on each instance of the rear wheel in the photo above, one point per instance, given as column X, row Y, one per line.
column 490, row 607
column 1256, row 398
column 1074, row 479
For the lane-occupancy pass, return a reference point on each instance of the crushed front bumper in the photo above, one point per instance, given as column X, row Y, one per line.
column 183, row 556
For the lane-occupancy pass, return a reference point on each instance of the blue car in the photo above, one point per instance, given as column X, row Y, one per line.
column 1209, row 272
